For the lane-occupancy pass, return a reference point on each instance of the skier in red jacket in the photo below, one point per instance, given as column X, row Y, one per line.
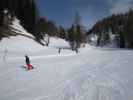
column 29, row 66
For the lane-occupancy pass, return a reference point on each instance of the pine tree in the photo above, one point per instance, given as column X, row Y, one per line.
column 128, row 29
column 76, row 34
column 62, row 33
column 71, row 37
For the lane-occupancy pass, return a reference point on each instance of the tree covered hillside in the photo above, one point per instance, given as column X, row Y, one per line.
column 24, row 10
column 121, row 25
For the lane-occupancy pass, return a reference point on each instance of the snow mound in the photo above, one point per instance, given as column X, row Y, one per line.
column 19, row 43
column 58, row 43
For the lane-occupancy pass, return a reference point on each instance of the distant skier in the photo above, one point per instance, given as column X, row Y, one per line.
column 59, row 50
column 76, row 50
column 28, row 65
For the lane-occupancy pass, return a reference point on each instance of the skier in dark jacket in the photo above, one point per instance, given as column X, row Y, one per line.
column 27, row 60
column 59, row 50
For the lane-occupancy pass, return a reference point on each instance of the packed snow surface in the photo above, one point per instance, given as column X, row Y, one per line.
column 92, row 74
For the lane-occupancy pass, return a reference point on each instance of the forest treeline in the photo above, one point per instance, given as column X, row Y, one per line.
column 25, row 10
column 121, row 25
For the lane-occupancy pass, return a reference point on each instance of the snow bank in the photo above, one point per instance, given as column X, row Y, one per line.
column 113, row 41
column 58, row 43
column 25, row 45
column 19, row 44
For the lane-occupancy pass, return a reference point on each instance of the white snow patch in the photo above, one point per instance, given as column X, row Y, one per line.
column 58, row 43
column 19, row 43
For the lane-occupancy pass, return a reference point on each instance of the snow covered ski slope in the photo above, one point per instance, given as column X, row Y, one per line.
column 92, row 74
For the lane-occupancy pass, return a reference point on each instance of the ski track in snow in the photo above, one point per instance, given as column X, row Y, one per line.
column 41, row 57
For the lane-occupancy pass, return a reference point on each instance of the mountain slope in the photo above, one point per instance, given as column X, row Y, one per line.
column 93, row 74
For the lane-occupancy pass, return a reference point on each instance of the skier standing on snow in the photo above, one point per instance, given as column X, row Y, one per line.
column 59, row 50
column 29, row 66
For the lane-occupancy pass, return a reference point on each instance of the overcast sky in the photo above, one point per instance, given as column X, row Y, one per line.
column 62, row 11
